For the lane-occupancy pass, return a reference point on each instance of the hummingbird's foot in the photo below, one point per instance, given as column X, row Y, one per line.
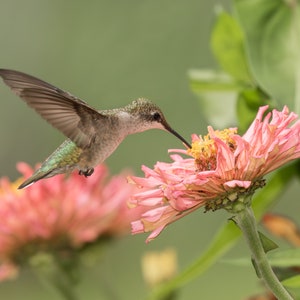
column 86, row 173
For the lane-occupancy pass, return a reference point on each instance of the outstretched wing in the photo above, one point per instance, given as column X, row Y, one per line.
column 72, row 116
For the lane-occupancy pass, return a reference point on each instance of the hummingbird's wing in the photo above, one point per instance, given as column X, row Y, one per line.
column 72, row 116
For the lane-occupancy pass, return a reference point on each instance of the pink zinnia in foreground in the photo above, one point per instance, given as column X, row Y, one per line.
column 224, row 166
column 60, row 213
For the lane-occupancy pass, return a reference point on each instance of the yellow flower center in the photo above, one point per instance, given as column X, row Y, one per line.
column 205, row 149
column 12, row 187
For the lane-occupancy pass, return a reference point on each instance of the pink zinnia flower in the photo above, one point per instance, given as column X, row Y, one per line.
column 224, row 166
column 60, row 213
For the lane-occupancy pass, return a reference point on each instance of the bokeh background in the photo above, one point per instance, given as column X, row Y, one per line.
column 109, row 53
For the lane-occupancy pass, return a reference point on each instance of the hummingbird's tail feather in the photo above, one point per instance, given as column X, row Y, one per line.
column 34, row 178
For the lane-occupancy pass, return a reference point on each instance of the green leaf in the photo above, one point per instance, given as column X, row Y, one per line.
column 227, row 43
column 213, row 89
column 272, row 32
column 58, row 276
column 227, row 235
column 249, row 100
column 292, row 282
column 276, row 184
column 256, row 268
column 267, row 243
column 239, row 262
column 279, row 258
column 212, row 81
column 285, row 258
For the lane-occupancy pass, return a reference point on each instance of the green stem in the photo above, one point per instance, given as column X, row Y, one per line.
column 54, row 276
column 247, row 223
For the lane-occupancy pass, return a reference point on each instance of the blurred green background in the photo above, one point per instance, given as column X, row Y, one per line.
column 108, row 53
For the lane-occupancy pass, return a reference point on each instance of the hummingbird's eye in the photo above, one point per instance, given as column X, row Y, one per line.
column 156, row 116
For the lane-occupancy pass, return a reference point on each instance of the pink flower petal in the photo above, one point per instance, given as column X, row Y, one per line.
column 238, row 183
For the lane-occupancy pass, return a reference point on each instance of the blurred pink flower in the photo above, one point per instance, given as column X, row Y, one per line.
column 60, row 213
column 223, row 166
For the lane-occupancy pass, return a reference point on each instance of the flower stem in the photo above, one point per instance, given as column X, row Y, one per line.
column 54, row 276
column 247, row 223
column 57, row 285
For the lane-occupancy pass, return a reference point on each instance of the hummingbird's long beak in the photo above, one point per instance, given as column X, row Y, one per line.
column 171, row 130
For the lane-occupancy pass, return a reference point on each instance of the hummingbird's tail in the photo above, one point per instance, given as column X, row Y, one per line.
column 63, row 160
column 39, row 174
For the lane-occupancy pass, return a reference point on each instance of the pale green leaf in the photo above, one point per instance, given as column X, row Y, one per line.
column 285, row 258
column 248, row 102
column 292, row 282
column 272, row 32
column 216, row 92
column 227, row 43
column 206, row 80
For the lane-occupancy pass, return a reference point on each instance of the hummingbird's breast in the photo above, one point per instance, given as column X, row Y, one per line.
column 108, row 137
column 104, row 144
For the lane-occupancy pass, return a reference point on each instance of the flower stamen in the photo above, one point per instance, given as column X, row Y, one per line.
column 204, row 149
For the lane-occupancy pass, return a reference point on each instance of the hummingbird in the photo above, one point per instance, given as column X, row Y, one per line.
column 92, row 135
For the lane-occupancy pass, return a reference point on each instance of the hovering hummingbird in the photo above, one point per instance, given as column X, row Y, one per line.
column 93, row 135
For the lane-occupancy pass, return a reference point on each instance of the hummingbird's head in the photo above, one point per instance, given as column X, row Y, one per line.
column 149, row 116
